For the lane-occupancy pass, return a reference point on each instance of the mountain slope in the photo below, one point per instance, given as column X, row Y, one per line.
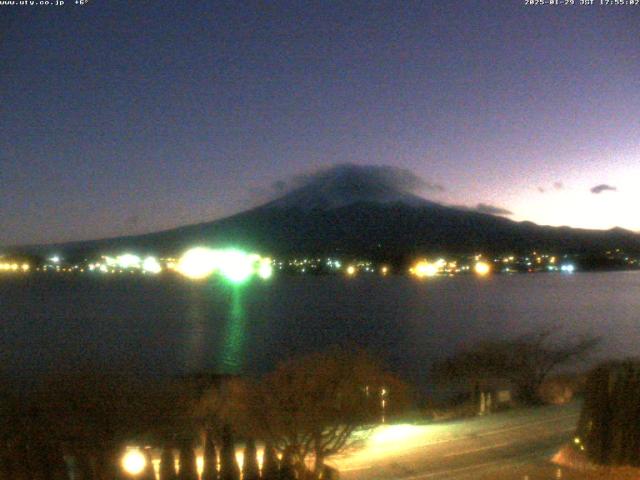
column 366, row 211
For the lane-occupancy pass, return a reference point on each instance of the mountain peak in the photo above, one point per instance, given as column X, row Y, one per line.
column 344, row 185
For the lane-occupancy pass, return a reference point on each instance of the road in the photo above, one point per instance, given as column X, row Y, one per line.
column 511, row 445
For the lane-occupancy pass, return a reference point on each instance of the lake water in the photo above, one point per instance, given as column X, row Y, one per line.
column 163, row 326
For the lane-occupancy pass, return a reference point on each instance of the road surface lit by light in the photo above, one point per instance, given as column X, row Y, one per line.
column 443, row 450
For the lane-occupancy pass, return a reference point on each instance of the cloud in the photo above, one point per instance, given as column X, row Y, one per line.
column 603, row 187
column 484, row 208
column 492, row 209
column 558, row 185
column 370, row 177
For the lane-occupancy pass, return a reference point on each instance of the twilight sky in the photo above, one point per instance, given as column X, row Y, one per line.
column 124, row 117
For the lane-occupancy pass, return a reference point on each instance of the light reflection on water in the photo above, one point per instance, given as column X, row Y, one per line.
column 167, row 326
column 233, row 346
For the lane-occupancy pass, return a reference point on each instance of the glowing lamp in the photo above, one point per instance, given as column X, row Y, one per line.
column 425, row 269
column 236, row 266
column 482, row 268
column 151, row 265
column 265, row 270
column 128, row 260
column 133, row 461
column 197, row 263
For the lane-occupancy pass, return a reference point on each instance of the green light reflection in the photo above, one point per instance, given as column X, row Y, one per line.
column 232, row 356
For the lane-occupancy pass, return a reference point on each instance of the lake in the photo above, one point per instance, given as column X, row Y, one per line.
column 165, row 325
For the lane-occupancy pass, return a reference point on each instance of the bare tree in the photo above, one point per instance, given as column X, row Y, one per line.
column 525, row 361
column 310, row 407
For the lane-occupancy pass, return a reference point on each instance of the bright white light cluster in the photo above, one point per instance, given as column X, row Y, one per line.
column 235, row 265
column 567, row 268
column 127, row 261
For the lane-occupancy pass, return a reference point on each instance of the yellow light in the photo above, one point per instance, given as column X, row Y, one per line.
column 351, row 270
column 151, row 265
column 110, row 261
column 385, row 270
column 133, row 461
column 482, row 268
column 393, row 434
column 197, row 263
column 265, row 270
column 425, row 269
column 200, row 465
column 25, row 267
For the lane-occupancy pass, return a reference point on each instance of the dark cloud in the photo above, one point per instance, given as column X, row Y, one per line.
column 603, row 187
column 373, row 176
column 344, row 184
column 485, row 208
column 492, row 209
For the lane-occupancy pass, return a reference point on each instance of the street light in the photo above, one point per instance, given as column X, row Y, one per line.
column 133, row 461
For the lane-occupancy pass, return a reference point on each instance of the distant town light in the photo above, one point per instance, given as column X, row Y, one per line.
column 151, row 265
column 425, row 269
column 351, row 270
column 265, row 270
column 567, row 268
column 128, row 260
column 235, row 265
column 482, row 268
column 197, row 263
